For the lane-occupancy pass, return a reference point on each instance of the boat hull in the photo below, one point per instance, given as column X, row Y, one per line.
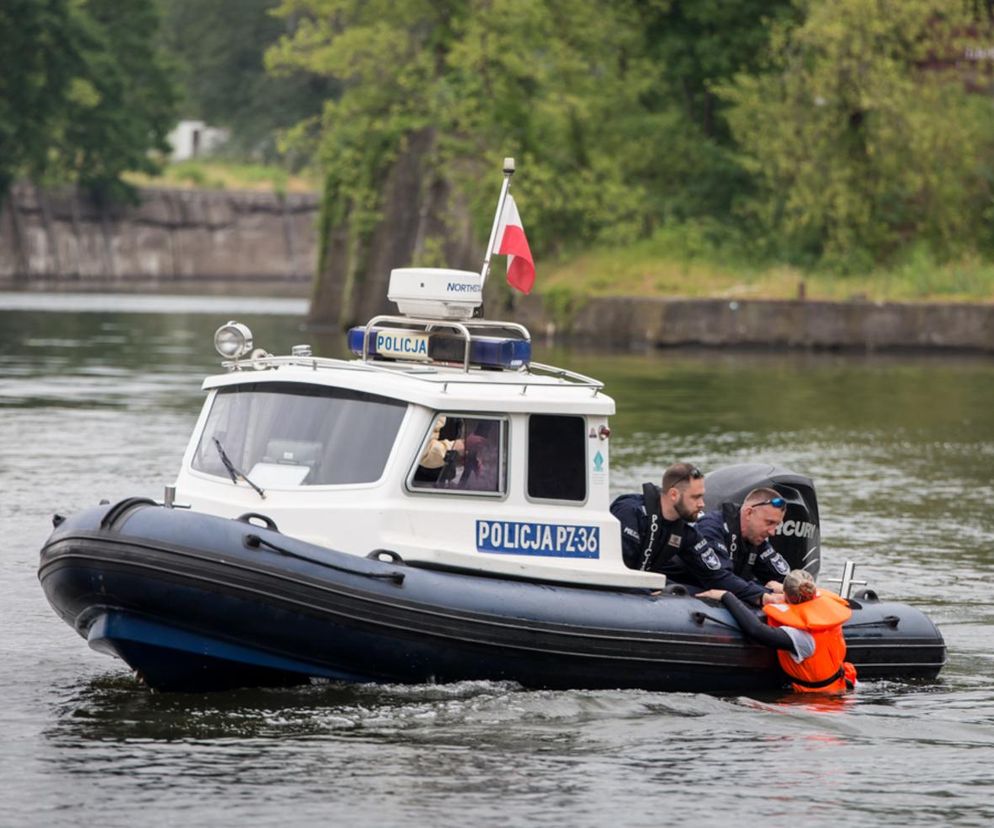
column 194, row 602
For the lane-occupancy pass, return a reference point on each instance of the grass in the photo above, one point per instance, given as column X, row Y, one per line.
column 670, row 266
column 224, row 175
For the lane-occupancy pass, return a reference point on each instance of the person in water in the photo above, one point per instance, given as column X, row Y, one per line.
column 741, row 537
column 805, row 630
column 657, row 535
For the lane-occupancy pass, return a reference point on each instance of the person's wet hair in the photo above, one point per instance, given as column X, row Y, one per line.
column 799, row 586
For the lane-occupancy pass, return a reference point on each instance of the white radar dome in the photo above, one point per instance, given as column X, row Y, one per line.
column 435, row 293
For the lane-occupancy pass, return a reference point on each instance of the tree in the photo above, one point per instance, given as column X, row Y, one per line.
column 553, row 83
column 123, row 103
column 466, row 82
column 862, row 135
column 84, row 93
column 694, row 46
column 37, row 63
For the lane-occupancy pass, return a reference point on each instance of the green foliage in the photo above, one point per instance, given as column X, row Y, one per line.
column 860, row 136
column 37, row 66
column 222, row 174
column 608, row 107
column 84, row 95
column 920, row 275
column 555, row 84
column 693, row 46
column 432, row 254
column 702, row 259
column 132, row 105
column 193, row 173
column 562, row 303
column 841, row 135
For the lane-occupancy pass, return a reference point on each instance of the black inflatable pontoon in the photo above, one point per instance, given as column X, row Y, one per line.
column 195, row 602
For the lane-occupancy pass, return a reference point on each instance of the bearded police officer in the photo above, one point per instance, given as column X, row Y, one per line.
column 657, row 535
column 741, row 537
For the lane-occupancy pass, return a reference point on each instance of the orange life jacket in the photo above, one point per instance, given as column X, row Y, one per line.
column 826, row 670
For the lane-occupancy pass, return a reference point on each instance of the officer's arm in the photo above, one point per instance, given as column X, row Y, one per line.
column 714, row 571
column 710, row 527
column 713, row 531
column 770, row 565
column 631, row 540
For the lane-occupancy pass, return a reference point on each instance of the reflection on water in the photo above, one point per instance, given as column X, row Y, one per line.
column 100, row 403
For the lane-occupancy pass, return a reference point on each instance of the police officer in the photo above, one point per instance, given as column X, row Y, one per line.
column 657, row 535
column 741, row 537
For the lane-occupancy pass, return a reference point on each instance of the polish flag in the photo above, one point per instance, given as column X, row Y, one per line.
column 513, row 244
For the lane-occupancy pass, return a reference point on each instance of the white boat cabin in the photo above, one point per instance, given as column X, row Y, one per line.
column 442, row 442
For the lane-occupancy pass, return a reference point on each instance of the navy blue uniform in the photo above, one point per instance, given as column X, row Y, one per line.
column 723, row 529
column 674, row 548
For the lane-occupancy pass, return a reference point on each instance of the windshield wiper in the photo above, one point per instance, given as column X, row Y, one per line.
column 233, row 470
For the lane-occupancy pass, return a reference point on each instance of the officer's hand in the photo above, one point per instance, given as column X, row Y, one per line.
column 772, row 598
column 776, row 586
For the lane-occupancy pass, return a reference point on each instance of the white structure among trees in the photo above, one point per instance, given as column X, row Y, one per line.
column 194, row 139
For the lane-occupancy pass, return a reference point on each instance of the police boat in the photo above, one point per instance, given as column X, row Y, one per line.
column 434, row 509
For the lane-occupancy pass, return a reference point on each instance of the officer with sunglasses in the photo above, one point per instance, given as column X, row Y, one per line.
column 658, row 535
column 741, row 537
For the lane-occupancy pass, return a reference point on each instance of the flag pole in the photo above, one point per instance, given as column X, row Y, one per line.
column 508, row 172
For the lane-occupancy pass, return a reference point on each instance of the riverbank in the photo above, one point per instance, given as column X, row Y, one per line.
column 250, row 243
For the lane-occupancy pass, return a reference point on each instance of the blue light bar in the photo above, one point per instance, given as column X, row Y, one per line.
column 484, row 351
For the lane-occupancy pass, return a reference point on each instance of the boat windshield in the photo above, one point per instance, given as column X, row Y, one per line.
column 285, row 434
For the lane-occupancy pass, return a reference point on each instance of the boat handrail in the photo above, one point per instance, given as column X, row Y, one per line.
column 270, row 361
column 574, row 377
column 430, row 374
column 426, row 373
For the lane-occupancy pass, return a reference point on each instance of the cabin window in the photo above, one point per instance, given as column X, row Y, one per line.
column 462, row 454
column 557, row 452
column 284, row 435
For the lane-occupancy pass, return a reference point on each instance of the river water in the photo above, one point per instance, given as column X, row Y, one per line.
column 97, row 397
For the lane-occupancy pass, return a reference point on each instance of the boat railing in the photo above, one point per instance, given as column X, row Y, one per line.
column 425, row 373
column 465, row 328
column 527, row 376
column 565, row 374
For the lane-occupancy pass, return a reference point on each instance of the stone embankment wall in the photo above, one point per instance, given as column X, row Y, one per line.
column 864, row 326
column 189, row 240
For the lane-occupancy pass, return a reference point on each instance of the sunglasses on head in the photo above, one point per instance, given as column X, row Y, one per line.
column 775, row 502
column 693, row 474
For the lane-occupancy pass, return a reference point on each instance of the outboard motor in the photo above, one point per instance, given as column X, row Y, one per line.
column 799, row 538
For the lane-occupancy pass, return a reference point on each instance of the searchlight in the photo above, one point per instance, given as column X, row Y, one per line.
column 233, row 340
